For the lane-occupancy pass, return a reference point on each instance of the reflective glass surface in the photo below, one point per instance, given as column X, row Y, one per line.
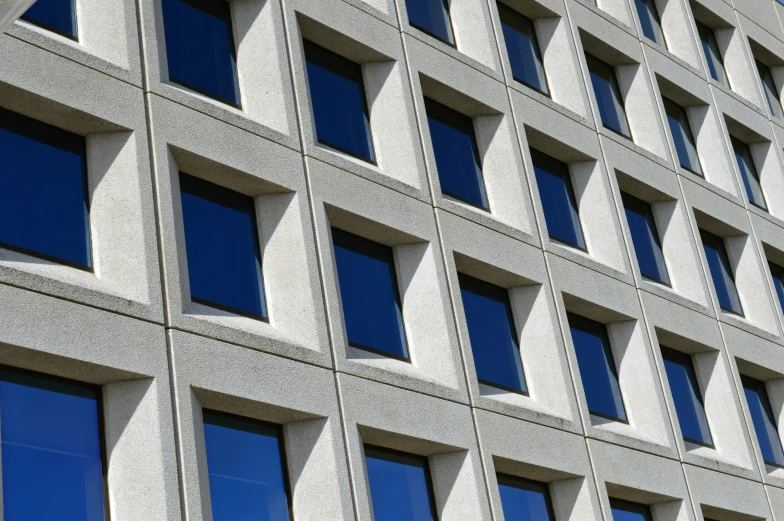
column 628, row 511
column 769, row 87
column 608, row 95
column 400, row 488
column 645, row 238
column 558, row 202
column 432, row 17
column 43, row 191
column 748, row 172
column 777, row 272
column 710, row 48
column 764, row 421
column 55, row 15
column 649, row 20
column 522, row 47
column 721, row 272
column 686, row 396
column 524, row 500
column 682, row 136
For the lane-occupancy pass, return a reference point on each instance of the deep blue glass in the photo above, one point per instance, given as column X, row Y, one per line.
column 710, row 48
column 457, row 156
column 682, row 136
column 492, row 333
column 628, row 511
column 200, row 47
column 764, row 421
column 721, row 272
column 522, row 47
column 524, row 500
column 400, row 488
column 337, row 94
column 221, row 241
column 608, row 95
column 777, row 272
column 52, row 451
column 432, row 17
column 246, row 469
column 687, row 397
column 770, row 89
column 369, row 294
column 43, row 191
column 649, row 20
column 748, row 172
column 55, row 15
column 597, row 368
column 645, row 238
column 558, row 202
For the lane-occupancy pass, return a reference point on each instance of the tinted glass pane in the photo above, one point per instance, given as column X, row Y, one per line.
column 221, row 241
column 764, row 422
column 523, row 48
column 245, row 466
column 769, row 87
column 56, row 15
column 558, row 202
column 43, row 190
column 200, row 47
column 608, row 96
column 686, row 396
column 400, row 487
column 627, row 511
column 492, row 332
column 712, row 54
column 649, row 20
column 337, row 94
column 52, row 464
column 369, row 294
column 597, row 368
column 524, row 500
column 748, row 172
column 721, row 272
column 682, row 136
column 777, row 272
column 645, row 238
column 457, row 158
column 432, row 17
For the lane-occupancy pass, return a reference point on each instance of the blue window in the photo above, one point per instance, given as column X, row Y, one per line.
column 748, row 172
column 246, row 467
column 523, row 48
column 710, row 48
column 200, row 48
column 369, row 294
column 491, row 330
column 43, row 191
column 524, row 500
column 777, row 272
column 58, row 16
column 432, row 17
column 687, row 397
column 608, row 96
column 645, row 238
column 649, row 20
column 721, row 272
column 52, row 449
column 400, row 487
column 682, row 136
column 221, row 241
column 337, row 95
column 558, row 201
column 457, row 156
column 764, row 421
column 770, row 89
column 597, row 368
column 628, row 511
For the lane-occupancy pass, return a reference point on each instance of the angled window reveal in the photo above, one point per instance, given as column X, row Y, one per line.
column 710, row 48
column 400, row 486
column 682, row 136
column 431, row 17
column 721, row 272
column 687, row 397
column 777, row 273
column 748, row 172
column 522, row 47
column 770, row 89
column 645, row 237
column 524, row 499
column 764, row 421
column 628, row 511
column 649, row 20
column 608, row 96
column 558, row 201
column 58, row 16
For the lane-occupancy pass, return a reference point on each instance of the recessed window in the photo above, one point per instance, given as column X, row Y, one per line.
column 337, row 95
column 492, row 332
column 432, row 17
column 710, row 48
column 52, row 451
column 597, row 368
column 645, row 237
column 400, row 486
column 764, row 421
column 628, row 511
column 682, row 136
column 369, row 295
column 200, row 47
column 748, row 172
column 43, row 191
column 558, row 201
column 58, row 16
column 222, row 247
column 721, row 272
column 457, row 156
column 608, row 96
column 649, row 20
column 524, row 499
column 245, row 464
column 770, row 89
column 777, row 272
column 687, row 397
column 522, row 47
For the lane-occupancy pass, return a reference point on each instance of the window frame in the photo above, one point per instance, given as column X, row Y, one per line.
column 675, row 356
column 530, row 485
column 653, row 18
column 740, row 148
column 727, row 264
column 644, row 208
column 768, row 84
column 510, row 14
column 593, row 62
column 453, row 42
column 685, row 131
column 706, row 33
column 753, row 384
column 630, row 506
column 777, row 274
column 74, row 36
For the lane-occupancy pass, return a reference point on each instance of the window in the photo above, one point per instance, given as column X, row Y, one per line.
column 558, row 202
column 337, row 95
column 523, row 49
column 369, row 295
column 222, row 247
column 457, row 156
column 200, row 48
column 687, row 397
column 748, row 172
column 52, row 448
column 524, row 500
column 43, row 191
column 597, row 368
column 491, row 330
column 58, row 16
column 432, row 17
column 645, row 238
column 682, row 136
column 769, row 88
column 400, row 487
column 608, row 96
column 628, row 511
column 649, row 20
column 246, row 467
column 764, row 421
column 710, row 48
column 777, row 272
column 721, row 272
